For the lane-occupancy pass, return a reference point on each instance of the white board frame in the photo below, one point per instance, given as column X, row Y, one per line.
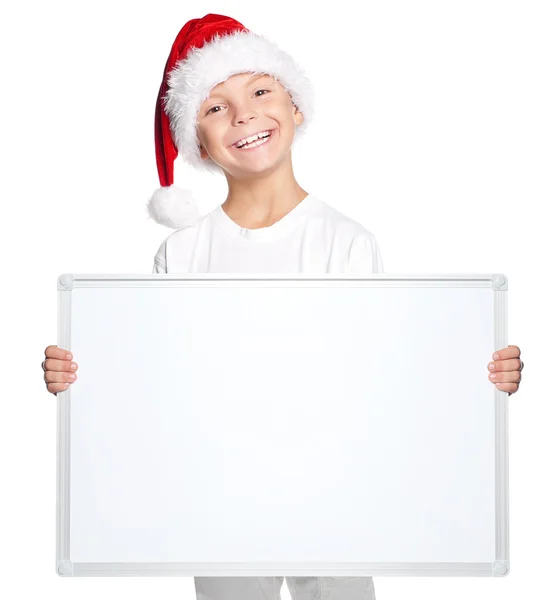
column 496, row 285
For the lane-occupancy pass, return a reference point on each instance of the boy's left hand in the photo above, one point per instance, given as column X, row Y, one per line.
column 506, row 366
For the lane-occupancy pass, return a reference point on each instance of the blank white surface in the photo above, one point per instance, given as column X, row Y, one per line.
column 195, row 406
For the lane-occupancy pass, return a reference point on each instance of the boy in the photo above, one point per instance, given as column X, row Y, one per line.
column 234, row 104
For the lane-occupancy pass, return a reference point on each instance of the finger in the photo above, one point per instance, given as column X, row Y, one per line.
column 59, row 377
column 511, row 388
column 53, row 364
column 508, row 352
column 56, row 352
column 505, row 377
column 54, row 388
column 512, row 364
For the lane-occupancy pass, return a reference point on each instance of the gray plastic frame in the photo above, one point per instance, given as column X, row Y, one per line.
column 498, row 568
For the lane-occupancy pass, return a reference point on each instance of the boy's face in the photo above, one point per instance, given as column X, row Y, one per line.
column 243, row 105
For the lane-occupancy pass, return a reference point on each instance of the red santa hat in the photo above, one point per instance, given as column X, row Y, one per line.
column 205, row 53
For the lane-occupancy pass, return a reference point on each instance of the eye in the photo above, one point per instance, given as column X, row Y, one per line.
column 218, row 106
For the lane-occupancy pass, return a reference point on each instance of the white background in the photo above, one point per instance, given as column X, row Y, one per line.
column 436, row 125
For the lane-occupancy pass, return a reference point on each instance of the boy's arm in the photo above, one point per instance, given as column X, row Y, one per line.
column 160, row 259
column 364, row 255
column 158, row 268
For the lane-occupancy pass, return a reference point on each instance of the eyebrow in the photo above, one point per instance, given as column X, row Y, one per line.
column 256, row 77
column 250, row 81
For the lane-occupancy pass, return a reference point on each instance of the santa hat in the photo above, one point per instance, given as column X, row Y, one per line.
column 205, row 53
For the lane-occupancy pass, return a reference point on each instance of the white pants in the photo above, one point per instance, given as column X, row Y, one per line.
column 300, row 588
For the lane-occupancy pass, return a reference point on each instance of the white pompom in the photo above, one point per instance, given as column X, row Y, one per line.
column 173, row 207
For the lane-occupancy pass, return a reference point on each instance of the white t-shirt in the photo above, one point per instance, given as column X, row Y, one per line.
column 312, row 238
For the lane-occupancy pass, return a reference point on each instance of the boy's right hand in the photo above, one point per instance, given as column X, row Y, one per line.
column 59, row 370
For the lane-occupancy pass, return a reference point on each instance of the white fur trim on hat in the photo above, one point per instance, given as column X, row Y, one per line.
column 173, row 207
column 192, row 79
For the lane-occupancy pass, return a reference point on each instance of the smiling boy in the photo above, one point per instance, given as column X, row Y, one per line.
column 245, row 124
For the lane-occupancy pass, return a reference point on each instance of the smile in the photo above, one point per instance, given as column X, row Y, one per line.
column 257, row 143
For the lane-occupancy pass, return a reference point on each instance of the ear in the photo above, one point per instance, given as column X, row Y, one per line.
column 203, row 153
column 298, row 116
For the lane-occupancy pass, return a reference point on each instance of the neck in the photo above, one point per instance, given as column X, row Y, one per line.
column 259, row 200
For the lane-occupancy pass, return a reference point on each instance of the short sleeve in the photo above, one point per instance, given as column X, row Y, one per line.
column 364, row 255
column 160, row 259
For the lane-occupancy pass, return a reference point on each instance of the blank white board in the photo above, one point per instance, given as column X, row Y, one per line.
column 282, row 425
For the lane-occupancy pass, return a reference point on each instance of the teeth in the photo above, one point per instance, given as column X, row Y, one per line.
column 255, row 144
column 251, row 139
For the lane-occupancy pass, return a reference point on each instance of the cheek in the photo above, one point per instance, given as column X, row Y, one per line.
column 281, row 117
column 201, row 137
column 211, row 139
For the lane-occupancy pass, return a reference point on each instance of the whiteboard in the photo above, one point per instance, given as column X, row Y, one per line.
column 264, row 425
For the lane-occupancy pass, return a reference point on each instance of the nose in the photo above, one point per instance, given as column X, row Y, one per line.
column 245, row 117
